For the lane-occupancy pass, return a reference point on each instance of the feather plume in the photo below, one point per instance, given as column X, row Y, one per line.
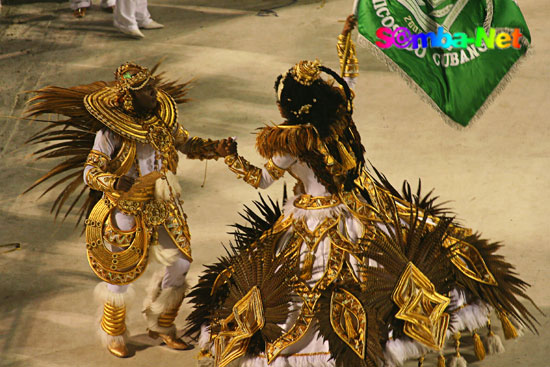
column 392, row 248
column 417, row 199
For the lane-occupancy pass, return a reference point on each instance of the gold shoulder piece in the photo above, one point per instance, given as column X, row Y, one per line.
column 103, row 105
column 181, row 136
column 122, row 162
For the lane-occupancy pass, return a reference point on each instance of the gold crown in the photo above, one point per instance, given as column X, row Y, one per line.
column 132, row 76
column 306, row 72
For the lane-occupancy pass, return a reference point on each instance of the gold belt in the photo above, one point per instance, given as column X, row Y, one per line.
column 306, row 201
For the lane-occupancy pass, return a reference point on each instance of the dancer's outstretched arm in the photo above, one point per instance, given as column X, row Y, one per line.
column 199, row 148
column 259, row 177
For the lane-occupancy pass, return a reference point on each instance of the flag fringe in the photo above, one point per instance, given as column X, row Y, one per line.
column 489, row 17
column 361, row 40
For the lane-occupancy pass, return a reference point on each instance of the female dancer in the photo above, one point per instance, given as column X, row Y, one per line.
column 350, row 272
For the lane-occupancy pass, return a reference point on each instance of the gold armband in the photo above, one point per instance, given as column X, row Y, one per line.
column 199, row 148
column 249, row 173
column 97, row 159
column 351, row 68
column 181, row 136
column 99, row 180
column 274, row 171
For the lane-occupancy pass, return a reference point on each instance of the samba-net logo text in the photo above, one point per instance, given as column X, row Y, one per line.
column 402, row 37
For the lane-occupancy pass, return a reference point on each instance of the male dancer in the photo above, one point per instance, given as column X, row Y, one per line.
column 134, row 209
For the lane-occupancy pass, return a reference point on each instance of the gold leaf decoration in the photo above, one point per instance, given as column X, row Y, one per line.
column 349, row 320
column 469, row 261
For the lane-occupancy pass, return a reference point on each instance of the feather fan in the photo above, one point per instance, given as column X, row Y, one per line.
column 393, row 247
column 248, row 263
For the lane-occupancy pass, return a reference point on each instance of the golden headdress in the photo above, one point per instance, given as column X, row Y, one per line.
column 113, row 106
column 306, row 72
column 132, row 76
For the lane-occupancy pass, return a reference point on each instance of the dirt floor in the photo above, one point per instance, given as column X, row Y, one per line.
column 496, row 172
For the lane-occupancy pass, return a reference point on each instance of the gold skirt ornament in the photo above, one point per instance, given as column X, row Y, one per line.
column 121, row 267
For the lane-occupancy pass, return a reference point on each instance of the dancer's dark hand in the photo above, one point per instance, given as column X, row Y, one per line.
column 124, row 183
column 351, row 22
column 226, row 147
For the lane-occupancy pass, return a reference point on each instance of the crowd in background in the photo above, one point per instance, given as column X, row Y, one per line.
column 129, row 16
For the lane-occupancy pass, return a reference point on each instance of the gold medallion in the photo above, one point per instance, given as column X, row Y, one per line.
column 155, row 213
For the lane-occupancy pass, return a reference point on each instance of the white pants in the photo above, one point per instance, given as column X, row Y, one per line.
column 174, row 274
column 77, row 4
column 131, row 14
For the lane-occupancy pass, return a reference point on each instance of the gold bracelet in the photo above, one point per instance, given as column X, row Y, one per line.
column 274, row 171
column 99, row 180
column 351, row 69
column 249, row 173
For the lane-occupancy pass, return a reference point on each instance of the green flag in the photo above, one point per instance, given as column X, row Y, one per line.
column 458, row 81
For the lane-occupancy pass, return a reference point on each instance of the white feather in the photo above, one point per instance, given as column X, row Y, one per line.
column 163, row 186
column 469, row 316
column 204, row 338
column 159, row 300
column 103, row 294
column 398, row 351
column 458, row 362
column 317, row 360
column 494, row 344
column 165, row 256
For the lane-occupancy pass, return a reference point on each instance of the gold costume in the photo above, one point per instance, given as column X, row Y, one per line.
column 112, row 131
column 162, row 132
column 372, row 272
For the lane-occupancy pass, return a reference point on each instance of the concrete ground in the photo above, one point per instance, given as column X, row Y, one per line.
column 496, row 172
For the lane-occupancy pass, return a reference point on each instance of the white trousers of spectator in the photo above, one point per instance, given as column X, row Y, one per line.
column 131, row 14
column 77, row 4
